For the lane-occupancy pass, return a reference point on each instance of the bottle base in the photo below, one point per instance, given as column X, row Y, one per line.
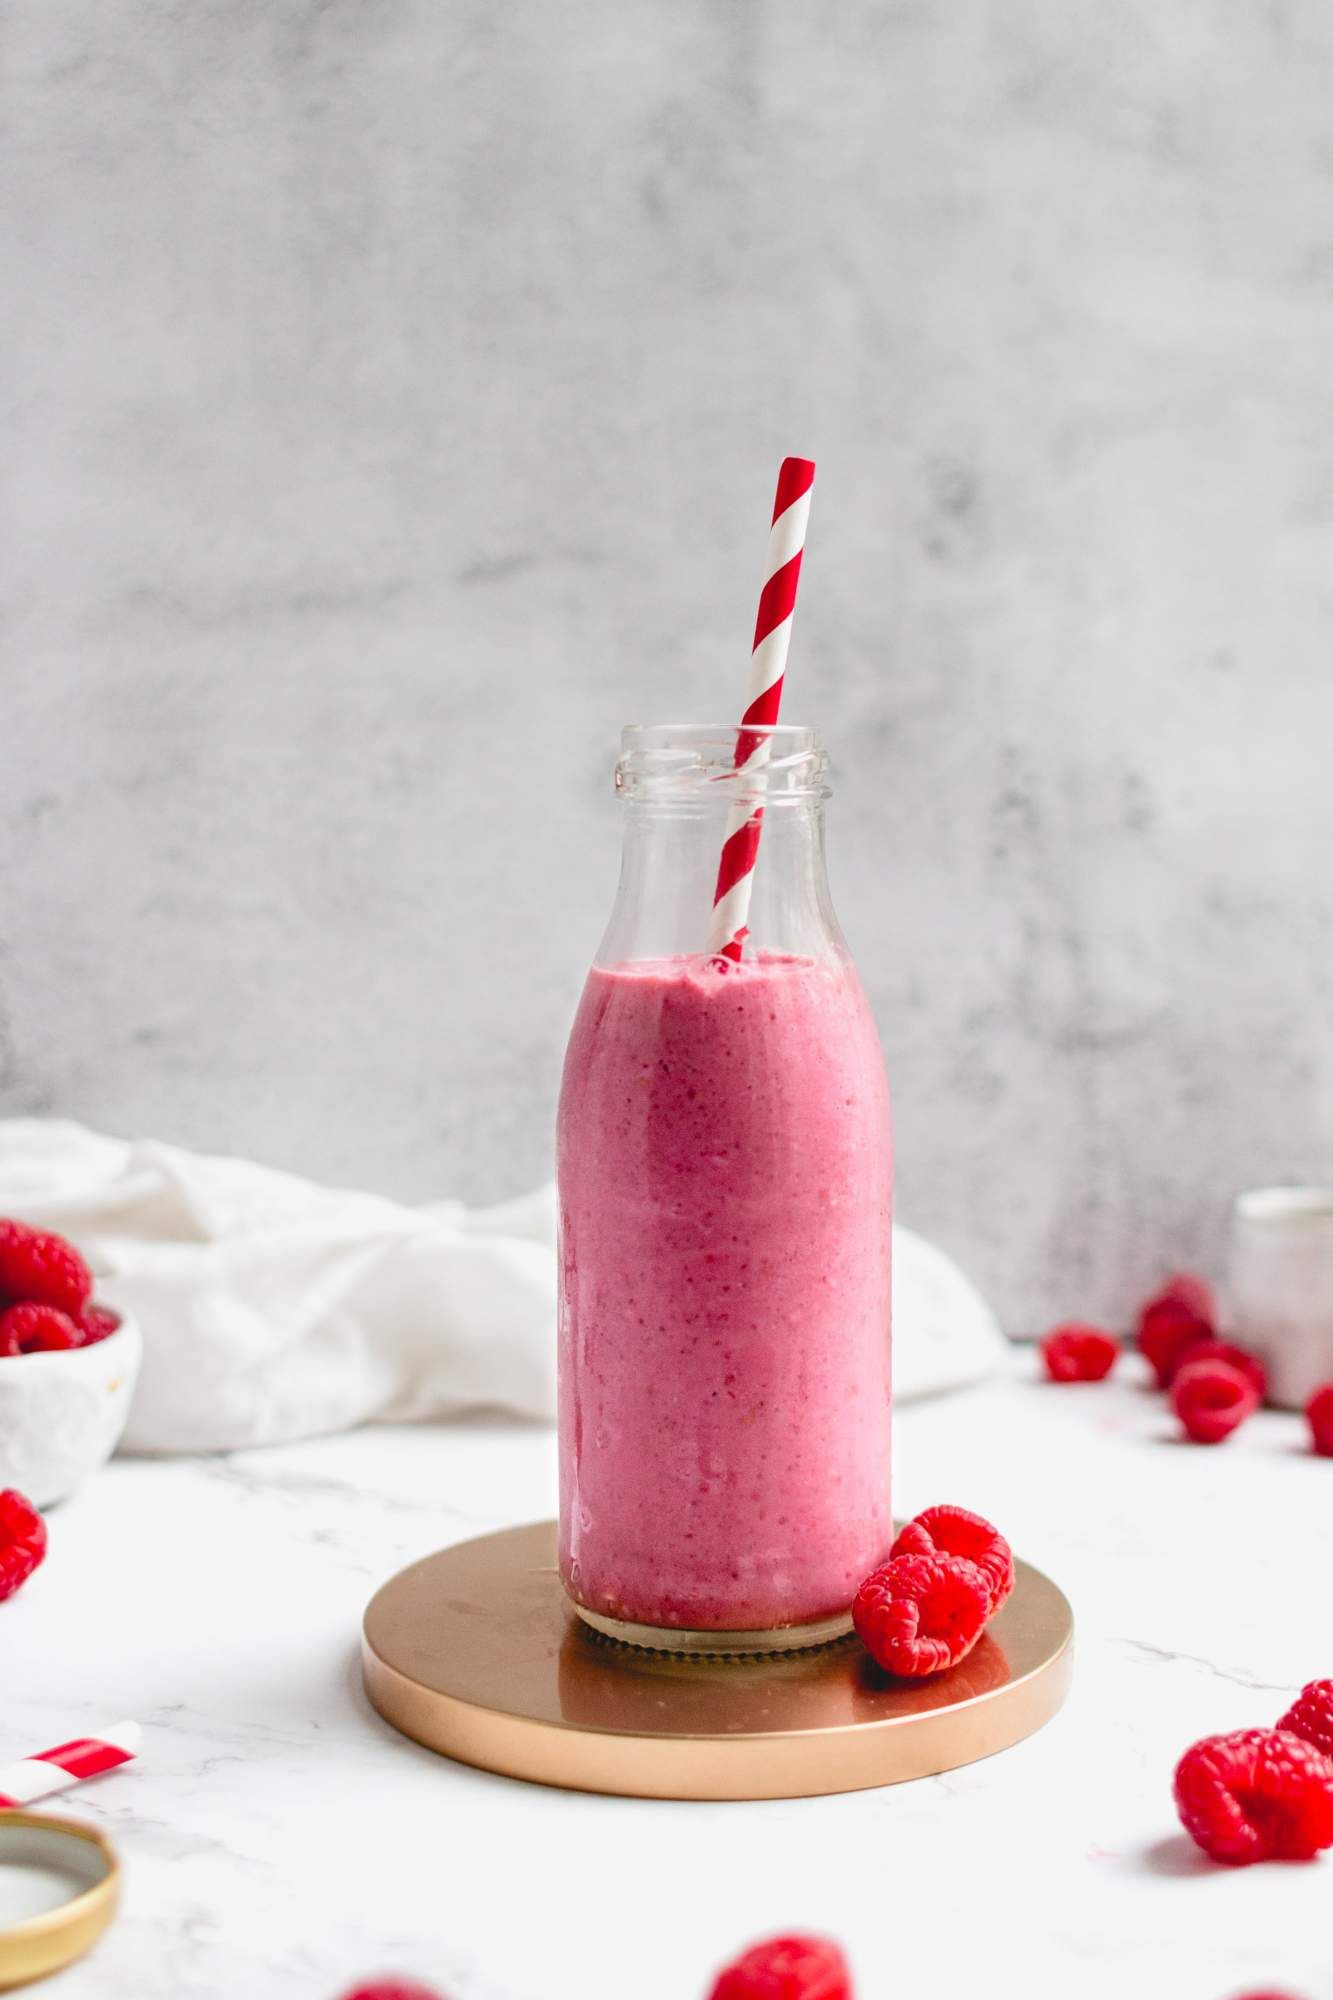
column 718, row 1645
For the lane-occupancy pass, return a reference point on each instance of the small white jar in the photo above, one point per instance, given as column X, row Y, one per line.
column 1280, row 1287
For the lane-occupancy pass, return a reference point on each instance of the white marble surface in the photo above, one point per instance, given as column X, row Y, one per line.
column 279, row 1839
column 392, row 412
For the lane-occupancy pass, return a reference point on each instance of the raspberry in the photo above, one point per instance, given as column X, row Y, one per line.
column 22, row 1541
column 393, row 1989
column 38, row 1266
column 1311, row 1715
column 1256, row 1795
column 1319, row 1411
column 1212, row 1398
column 96, row 1323
column 1181, row 1312
column 1078, row 1353
column 786, row 1968
column 1250, row 1366
column 953, row 1531
column 30, row 1329
column 920, row 1614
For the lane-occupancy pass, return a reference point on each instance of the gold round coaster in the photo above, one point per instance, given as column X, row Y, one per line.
column 476, row 1653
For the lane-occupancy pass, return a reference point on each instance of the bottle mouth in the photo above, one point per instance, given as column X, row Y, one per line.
column 697, row 760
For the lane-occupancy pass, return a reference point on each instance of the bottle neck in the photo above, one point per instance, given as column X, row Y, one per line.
column 668, row 875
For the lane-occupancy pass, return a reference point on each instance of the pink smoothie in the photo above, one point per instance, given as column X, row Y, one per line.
column 725, row 1183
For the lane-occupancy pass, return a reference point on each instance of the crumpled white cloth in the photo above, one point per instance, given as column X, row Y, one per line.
column 273, row 1308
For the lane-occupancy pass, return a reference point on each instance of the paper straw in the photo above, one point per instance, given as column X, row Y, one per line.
column 68, row 1764
column 768, row 664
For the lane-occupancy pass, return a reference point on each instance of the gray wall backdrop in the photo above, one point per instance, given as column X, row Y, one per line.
column 393, row 396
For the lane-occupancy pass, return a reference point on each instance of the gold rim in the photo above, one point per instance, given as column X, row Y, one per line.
column 55, row 1938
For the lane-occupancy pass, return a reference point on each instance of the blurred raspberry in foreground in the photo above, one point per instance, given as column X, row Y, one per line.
column 786, row 1968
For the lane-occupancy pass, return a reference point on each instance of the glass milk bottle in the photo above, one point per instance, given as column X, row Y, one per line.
column 725, row 1185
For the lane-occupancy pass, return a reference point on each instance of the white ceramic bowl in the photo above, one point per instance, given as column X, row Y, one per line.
column 61, row 1415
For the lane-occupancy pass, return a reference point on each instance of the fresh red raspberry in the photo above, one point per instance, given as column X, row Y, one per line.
column 30, row 1329
column 1237, row 1357
column 22, row 1541
column 1256, row 1795
column 786, row 1968
column 96, row 1323
column 920, row 1614
column 1311, row 1715
column 1212, row 1399
column 39, row 1266
column 1078, row 1353
column 393, row 1989
column 1319, row 1411
column 953, row 1531
column 1181, row 1312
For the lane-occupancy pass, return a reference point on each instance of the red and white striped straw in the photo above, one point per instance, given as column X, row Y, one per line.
column 768, row 664
column 68, row 1764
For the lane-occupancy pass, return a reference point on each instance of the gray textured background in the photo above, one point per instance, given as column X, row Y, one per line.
column 392, row 402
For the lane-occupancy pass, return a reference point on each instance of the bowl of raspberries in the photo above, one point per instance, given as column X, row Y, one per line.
column 68, row 1365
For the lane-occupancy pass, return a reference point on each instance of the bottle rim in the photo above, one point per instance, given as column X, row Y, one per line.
column 697, row 760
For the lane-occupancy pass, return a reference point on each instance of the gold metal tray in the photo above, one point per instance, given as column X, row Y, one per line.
column 477, row 1653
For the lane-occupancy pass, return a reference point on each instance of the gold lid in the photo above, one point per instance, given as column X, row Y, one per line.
column 477, row 1653
column 52, row 1939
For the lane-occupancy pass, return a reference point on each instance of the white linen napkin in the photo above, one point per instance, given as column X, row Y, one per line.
column 273, row 1308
